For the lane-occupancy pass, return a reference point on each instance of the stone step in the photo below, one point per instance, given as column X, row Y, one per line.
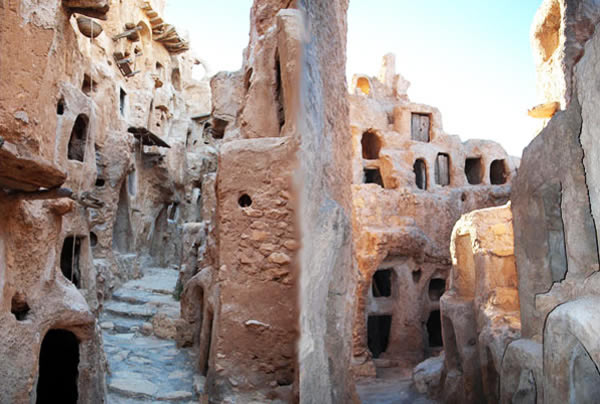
column 130, row 310
column 120, row 324
column 140, row 296
column 155, row 280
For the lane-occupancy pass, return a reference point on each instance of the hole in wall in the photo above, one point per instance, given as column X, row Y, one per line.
column 218, row 128
column 58, row 368
column 245, row 201
column 363, row 85
column 463, row 197
column 498, row 174
column 88, row 85
column 79, row 133
column 173, row 211
column 279, row 92
column 100, row 182
column 19, row 307
column 416, row 275
column 69, row 259
column 378, row 334
column 434, row 329
column 420, row 170
column 382, row 283
column 60, row 106
column 373, row 176
column 371, row 146
column 248, row 79
column 122, row 101
column 93, row 239
column 420, row 127
column 442, row 169
column 437, row 287
column 474, row 170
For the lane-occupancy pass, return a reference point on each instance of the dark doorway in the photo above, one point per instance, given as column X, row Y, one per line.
column 371, row 145
column 420, row 170
column 434, row 329
column 474, row 170
column 420, row 127
column 59, row 358
column 69, row 259
column 78, row 138
column 442, row 169
column 382, row 283
column 378, row 334
column 373, row 176
column 498, row 174
column 437, row 287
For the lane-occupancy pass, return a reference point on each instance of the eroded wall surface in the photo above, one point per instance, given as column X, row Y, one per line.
column 68, row 106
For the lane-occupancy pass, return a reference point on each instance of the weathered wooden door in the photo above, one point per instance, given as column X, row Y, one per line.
column 420, row 127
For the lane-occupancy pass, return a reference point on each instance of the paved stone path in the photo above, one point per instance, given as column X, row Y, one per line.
column 392, row 386
column 142, row 367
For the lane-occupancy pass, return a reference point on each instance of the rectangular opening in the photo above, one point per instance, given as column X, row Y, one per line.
column 122, row 100
column 474, row 170
column 69, row 259
column 442, row 169
column 420, row 170
column 378, row 334
column 498, row 174
column 382, row 283
column 373, row 176
column 420, row 127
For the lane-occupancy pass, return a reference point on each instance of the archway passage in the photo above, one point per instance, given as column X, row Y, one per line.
column 434, row 329
column 59, row 359
column 378, row 334
column 371, row 145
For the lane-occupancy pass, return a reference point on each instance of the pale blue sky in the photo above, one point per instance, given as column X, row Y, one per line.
column 470, row 58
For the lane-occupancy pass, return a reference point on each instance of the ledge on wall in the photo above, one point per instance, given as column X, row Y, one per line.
column 23, row 172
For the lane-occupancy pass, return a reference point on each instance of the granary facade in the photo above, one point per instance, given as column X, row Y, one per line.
column 411, row 182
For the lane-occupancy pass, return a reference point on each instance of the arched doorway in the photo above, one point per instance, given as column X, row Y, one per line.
column 59, row 359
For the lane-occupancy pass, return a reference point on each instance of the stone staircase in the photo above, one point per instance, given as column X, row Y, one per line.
column 138, row 325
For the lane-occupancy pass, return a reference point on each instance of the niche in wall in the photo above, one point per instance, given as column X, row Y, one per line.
column 474, row 170
column 78, row 139
column 70, row 258
column 373, row 176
